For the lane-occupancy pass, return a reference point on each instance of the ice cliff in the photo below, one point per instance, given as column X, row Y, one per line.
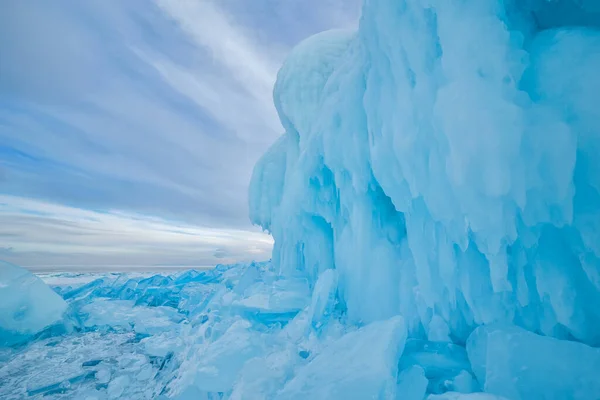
column 443, row 159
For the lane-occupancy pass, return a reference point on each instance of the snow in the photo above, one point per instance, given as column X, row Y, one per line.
column 434, row 202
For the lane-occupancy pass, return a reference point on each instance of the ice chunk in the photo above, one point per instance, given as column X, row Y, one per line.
column 518, row 364
column 323, row 298
column 215, row 366
column 277, row 302
column 87, row 290
column 463, row 396
column 264, row 376
column 412, row 384
column 122, row 315
column 162, row 345
column 27, row 305
column 442, row 362
column 360, row 365
column 117, row 386
column 464, row 382
column 195, row 296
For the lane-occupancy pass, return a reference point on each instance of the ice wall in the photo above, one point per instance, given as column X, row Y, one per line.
column 444, row 160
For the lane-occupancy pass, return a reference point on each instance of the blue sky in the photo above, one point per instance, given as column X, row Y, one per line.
column 146, row 111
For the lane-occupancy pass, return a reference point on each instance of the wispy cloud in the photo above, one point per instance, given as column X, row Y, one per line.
column 42, row 235
column 229, row 44
column 155, row 107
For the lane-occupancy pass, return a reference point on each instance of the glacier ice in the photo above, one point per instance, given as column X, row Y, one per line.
column 443, row 161
column 27, row 305
column 434, row 202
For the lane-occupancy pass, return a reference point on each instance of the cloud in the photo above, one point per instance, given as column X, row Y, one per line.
column 229, row 44
column 134, row 124
column 220, row 253
column 6, row 250
column 152, row 107
column 42, row 235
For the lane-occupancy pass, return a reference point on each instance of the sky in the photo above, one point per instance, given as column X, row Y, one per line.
column 129, row 129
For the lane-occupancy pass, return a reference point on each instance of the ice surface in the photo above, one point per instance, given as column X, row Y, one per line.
column 360, row 365
column 463, row 396
column 412, row 384
column 214, row 368
column 434, row 202
column 79, row 366
column 518, row 364
column 27, row 305
column 123, row 315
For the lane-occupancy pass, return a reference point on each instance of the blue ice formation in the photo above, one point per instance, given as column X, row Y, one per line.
column 27, row 305
column 444, row 161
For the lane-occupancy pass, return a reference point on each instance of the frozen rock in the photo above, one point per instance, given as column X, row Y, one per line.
column 27, row 304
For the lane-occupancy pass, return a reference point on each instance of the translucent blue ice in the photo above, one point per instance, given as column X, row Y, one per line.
column 361, row 364
column 27, row 305
column 518, row 364
column 443, row 160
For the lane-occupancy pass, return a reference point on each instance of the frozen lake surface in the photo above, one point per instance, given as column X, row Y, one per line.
column 246, row 332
